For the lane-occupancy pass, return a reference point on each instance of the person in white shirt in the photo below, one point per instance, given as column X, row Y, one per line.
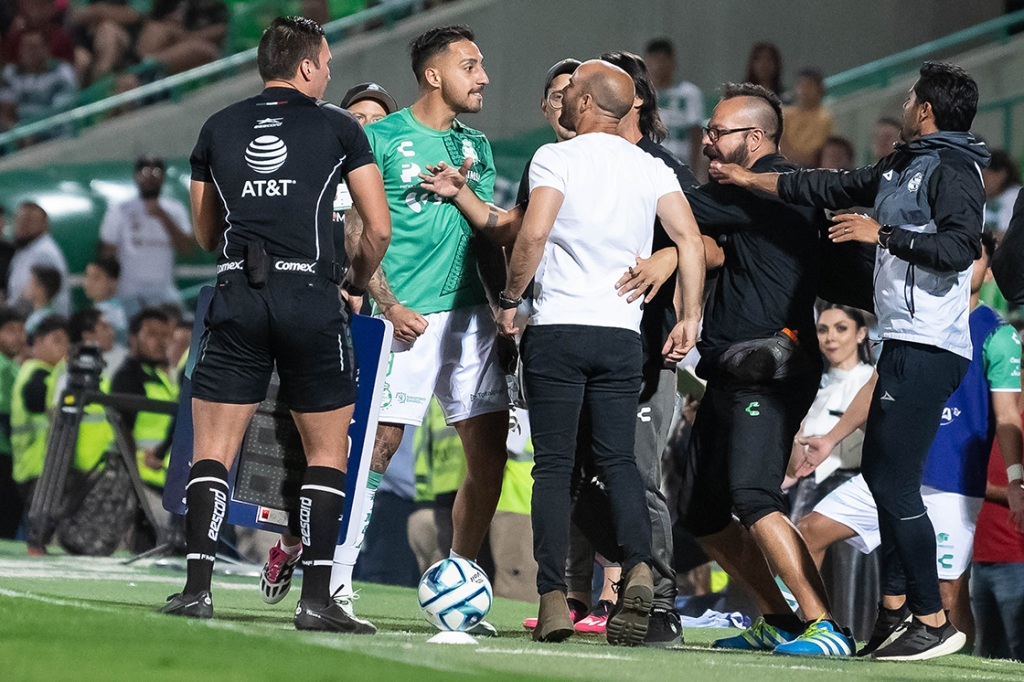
column 144, row 234
column 842, row 337
column 35, row 246
column 593, row 200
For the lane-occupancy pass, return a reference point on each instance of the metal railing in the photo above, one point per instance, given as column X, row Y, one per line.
column 881, row 72
column 172, row 87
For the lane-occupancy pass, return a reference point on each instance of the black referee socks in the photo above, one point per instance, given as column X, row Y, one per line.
column 207, row 498
column 321, row 502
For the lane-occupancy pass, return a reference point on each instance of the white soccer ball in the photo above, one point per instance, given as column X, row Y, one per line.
column 455, row 595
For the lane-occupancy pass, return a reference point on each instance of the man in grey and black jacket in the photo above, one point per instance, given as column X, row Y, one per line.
column 928, row 203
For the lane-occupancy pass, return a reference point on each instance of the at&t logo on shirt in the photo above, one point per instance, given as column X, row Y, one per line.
column 266, row 154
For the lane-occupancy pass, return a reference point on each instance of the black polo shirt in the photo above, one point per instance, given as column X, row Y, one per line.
column 276, row 160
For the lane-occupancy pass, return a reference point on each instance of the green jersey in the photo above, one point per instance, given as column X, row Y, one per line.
column 429, row 265
column 8, row 373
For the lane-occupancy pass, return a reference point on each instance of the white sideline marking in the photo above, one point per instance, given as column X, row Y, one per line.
column 551, row 652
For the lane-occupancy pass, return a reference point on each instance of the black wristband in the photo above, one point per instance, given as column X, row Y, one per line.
column 506, row 303
column 351, row 289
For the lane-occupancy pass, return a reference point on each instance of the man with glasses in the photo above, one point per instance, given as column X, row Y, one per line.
column 144, row 234
column 759, row 354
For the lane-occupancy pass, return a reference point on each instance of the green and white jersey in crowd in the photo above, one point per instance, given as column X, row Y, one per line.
column 429, row 264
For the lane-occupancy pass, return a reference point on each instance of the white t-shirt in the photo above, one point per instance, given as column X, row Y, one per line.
column 144, row 249
column 838, row 389
column 42, row 251
column 611, row 190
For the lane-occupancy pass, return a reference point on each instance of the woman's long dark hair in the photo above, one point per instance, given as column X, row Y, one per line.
column 860, row 320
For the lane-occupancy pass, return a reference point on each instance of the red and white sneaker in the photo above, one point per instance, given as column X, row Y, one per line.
column 596, row 623
column 577, row 611
column 276, row 576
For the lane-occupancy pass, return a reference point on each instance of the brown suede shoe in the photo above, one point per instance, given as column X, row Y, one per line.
column 554, row 624
column 627, row 624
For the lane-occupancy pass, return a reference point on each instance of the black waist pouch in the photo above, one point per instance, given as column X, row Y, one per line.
column 762, row 360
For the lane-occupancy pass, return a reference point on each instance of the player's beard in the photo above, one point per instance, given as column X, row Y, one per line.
column 468, row 104
column 738, row 156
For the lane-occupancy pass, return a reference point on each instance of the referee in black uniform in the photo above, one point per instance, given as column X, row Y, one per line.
column 264, row 173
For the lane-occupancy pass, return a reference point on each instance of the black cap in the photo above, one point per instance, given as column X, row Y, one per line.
column 369, row 91
column 565, row 66
column 149, row 162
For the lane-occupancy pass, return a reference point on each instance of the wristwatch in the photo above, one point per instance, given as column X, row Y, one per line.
column 884, row 232
column 507, row 303
column 351, row 289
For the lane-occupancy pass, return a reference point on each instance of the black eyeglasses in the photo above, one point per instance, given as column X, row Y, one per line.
column 715, row 133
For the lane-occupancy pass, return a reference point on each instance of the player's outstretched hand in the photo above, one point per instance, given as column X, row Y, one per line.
column 445, row 181
column 729, row 173
column 853, row 227
column 647, row 276
column 409, row 324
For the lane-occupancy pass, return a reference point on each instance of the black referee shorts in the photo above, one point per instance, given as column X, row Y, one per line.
column 296, row 321
column 740, row 446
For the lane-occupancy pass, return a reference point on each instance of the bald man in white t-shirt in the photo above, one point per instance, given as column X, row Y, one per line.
column 593, row 201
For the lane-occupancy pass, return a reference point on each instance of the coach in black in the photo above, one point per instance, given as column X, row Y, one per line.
column 264, row 173
column 929, row 205
column 759, row 354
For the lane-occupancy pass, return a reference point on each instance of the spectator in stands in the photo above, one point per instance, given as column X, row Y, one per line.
column 43, row 286
column 998, row 571
column 807, row 122
column 183, row 34
column 144, row 234
column 837, row 153
column 144, row 373
column 105, row 33
column 842, row 337
column 1002, row 183
column 31, row 397
column 181, row 333
column 884, row 137
column 6, row 254
column 35, row 246
column 36, row 85
column 680, row 104
column 764, row 67
column 12, row 345
column 100, row 284
column 37, row 15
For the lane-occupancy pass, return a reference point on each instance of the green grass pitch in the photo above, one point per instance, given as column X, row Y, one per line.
column 69, row 618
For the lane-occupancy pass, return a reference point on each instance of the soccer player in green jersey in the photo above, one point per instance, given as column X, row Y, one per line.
column 429, row 288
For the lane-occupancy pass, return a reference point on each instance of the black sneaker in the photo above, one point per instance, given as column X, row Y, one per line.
column 198, row 605
column 920, row 643
column 331, row 618
column 889, row 625
column 664, row 629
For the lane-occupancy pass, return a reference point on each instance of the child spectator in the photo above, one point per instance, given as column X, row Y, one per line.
column 102, row 277
column 42, row 288
column 31, row 396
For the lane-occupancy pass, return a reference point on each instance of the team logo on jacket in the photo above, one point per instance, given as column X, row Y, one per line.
column 915, row 182
column 266, row 154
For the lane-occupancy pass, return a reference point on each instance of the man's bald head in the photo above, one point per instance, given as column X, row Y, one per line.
column 610, row 87
column 761, row 107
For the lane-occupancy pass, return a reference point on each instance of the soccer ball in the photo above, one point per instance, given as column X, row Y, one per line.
column 454, row 594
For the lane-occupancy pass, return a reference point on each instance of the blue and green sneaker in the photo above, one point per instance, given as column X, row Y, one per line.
column 821, row 638
column 758, row 637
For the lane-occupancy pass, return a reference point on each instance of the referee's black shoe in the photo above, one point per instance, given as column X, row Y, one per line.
column 889, row 625
column 330, row 617
column 199, row 605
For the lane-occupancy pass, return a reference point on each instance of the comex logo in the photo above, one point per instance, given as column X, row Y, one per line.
column 266, row 154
